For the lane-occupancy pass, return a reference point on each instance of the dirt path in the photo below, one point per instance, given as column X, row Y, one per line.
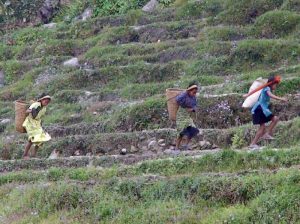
column 101, row 161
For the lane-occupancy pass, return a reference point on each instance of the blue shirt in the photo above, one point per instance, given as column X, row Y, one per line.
column 264, row 102
column 186, row 101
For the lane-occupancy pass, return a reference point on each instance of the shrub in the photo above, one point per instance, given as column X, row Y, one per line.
column 78, row 174
column 60, row 48
column 179, row 3
column 265, row 51
column 32, row 35
column 252, row 75
column 245, row 11
column 199, row 9
column 13, row 70
column 291, row 5
column 275, row 24
column 133, row 17
column 147, row 115
column 214, row 48
column 137, row 91
column 20, row 88
column 55, row 174
column 122, row 34
column 62, row 113
column 58, row 197
column 68, row 96
column 227, row 33
column 209, row 66
column 142, row 73
column 5, row 52
column 113, row 7
column 23, row 52
column 288, row 86
column 72, row 79
column 238, row 140
column 279, row 206
column 69, row 11
column 20, row 10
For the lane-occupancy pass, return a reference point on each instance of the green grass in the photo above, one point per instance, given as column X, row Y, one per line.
column 61, row 48
column 212, row 42
column 227, row 161
column 224, row 33
column 195, row 9
column 276, row 24
column 20, row 88
column 267, row 52
column 31, row 35
column 244, row 195
column 13, row 70
column 292, row 5
column 244, row 11
column 60, row 113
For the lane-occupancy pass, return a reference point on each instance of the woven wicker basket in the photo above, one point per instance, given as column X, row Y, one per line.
column 20, row 110
column 171, row 102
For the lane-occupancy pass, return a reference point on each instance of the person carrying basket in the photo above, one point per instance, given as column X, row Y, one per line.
column 185, row 118
column 33, row 125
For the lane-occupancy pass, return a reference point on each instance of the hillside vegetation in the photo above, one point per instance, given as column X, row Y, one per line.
column 113, row 98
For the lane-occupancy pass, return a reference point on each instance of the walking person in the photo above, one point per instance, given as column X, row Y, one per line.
column 261, row 113
column 186, row 116
column 33, row 125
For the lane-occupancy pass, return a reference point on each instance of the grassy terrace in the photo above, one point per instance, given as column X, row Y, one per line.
column 114, row 99
column 240, row 186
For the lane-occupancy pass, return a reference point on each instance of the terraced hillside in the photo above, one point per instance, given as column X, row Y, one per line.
column 111, row 98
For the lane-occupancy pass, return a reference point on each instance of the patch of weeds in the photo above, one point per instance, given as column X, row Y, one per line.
column 238, row 140
column 78, row 174
column 217, row 66
column 147, row 115
column 291, row 5
column 13, row 70
column 267, row 52
column 55, row 174
column 276, row 24
column 20, row 88
column 223, row 33
column 62, row 113
column 245, row 11
column 199, row 9
column 31, row 35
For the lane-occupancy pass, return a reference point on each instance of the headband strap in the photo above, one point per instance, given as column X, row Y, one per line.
column 192, row 87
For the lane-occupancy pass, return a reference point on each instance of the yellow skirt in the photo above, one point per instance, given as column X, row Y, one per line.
column 35, row 132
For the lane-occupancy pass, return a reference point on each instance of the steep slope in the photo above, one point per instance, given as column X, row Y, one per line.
column 113, row 98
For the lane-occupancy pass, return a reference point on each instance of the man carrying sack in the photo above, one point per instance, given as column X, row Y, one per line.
column 185, row 118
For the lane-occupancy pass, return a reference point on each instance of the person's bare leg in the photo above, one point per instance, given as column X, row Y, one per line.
column 187, row 143
column 27, row 148
column 34, row 150
column 272, row 126
column 178, row 142
column 260, row 132
column 173, row 124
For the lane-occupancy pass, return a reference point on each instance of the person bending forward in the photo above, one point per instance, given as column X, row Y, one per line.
column 261, row 114
column 33, row 125
column 184, row 121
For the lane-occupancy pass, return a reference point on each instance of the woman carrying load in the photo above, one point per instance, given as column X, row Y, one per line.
column 261, row 113
column 185, row 119
column 33, row 125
